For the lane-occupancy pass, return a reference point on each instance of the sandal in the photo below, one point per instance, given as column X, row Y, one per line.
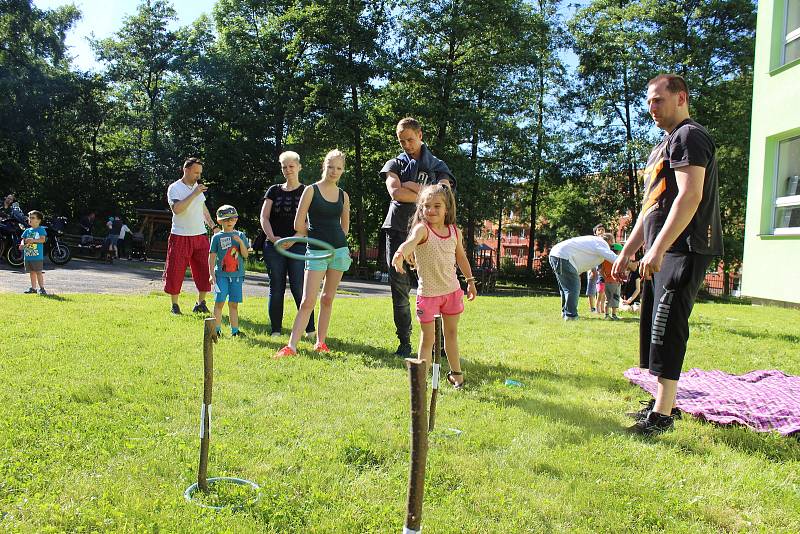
column 450, row 375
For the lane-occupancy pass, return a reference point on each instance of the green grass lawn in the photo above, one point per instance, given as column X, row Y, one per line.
column 101, row 403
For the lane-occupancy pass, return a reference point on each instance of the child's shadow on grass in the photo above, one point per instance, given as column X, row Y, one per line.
column 57, row 298
column 254, row 327
column 370, row 355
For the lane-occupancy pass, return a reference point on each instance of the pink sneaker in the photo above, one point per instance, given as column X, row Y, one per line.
column 284, row 352
column 321, row 347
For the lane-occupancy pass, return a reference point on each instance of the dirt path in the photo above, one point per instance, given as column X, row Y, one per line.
column 129, row 277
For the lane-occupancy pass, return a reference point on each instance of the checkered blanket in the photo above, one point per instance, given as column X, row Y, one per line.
column 762, row 400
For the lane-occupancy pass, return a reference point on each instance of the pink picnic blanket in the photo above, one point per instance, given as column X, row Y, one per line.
column 762, row 400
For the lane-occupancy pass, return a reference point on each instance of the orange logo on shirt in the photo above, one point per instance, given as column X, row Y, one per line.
column 655, row 193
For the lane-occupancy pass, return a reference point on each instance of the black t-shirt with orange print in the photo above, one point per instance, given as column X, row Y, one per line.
column 688, row 144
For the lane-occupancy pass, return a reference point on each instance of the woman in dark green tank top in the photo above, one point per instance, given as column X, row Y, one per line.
column 323, row 213
column 324, row 219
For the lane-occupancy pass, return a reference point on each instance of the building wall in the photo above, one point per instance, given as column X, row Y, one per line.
column 771, row 267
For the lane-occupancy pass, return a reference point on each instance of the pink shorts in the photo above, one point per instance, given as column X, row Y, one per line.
column 601, row 287
column 450, row 304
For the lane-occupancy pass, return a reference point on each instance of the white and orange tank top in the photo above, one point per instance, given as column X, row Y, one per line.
column 436, row 263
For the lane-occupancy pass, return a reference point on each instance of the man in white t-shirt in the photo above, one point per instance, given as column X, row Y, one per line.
column 188, row 242
column 571, row 257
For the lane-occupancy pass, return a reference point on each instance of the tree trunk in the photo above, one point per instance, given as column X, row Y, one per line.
column 444, row 112
column 358, row 193
column 280, row 123
column 538, row 173
column 499, row 233
column 469, row 245
column 633, row 196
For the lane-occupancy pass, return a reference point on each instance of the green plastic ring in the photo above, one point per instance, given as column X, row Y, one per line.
column 191, row 490
column 307, row 240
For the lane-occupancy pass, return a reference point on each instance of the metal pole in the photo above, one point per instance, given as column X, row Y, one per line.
column 437, row 354
column 419, row 446
column 209, row 338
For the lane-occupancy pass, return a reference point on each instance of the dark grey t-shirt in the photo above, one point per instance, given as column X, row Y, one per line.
column 284, row 208
column 688, row 144
column 426, row 171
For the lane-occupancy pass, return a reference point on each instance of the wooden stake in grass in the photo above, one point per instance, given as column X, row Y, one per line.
column 209, row 338
column 419, row 445
column 438, row 343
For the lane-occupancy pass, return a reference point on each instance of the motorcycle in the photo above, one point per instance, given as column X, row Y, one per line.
column 11, row 234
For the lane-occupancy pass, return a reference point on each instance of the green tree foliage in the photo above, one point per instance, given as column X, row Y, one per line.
column 711, row 44
column 621, row 44
column 612, row 72
column 469, row 69
column 38, row 101
column 486, row 79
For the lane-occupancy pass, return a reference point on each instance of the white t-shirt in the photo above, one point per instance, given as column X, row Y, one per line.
column 191, row 221
column 584, row 252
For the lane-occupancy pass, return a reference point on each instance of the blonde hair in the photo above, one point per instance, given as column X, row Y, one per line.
column 444, row 191
column 289, row 155
column 335, row 153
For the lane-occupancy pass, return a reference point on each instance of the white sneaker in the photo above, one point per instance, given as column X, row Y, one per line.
column 310, row 335
column 568, row 318
column 275, row 334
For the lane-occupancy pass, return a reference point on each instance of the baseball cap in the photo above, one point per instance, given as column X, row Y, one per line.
column 226, row 212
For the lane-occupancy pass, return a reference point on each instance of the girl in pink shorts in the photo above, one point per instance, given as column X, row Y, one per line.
column 434, row 248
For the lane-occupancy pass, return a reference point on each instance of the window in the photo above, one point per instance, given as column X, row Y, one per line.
column 787, row 189
column 791, row 43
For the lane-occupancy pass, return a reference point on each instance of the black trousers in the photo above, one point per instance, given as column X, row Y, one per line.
column 667, row 302
column 401, row 287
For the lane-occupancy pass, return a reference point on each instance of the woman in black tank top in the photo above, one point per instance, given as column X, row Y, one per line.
column 277, row 221
column 323, row 213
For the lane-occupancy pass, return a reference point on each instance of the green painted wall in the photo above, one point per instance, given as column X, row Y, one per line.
column 771, row 268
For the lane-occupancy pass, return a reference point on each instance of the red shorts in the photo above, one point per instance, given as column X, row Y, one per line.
column 186, row 251
column 450, row 304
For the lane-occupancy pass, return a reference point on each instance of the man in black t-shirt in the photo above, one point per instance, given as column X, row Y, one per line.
column 405, row 177
column 680, row 228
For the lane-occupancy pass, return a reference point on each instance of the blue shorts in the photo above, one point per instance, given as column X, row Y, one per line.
column 230, row 289
column 340, row 261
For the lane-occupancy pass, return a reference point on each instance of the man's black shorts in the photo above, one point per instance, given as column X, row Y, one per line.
column 667, row 302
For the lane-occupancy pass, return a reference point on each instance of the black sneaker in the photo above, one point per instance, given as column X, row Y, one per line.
column 30, row 291
column 653, row 425
column 647, row 407
column 176, row 310
column 200, row 307
column 238, row 333
column 42, row 291
column 403, row 350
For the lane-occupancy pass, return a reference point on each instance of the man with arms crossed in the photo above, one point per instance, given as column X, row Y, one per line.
column 680, row 228
column 188, row 243
column 405, row 177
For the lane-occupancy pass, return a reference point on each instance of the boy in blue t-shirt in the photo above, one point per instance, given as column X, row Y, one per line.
column 226, row 264
column 32, row 247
